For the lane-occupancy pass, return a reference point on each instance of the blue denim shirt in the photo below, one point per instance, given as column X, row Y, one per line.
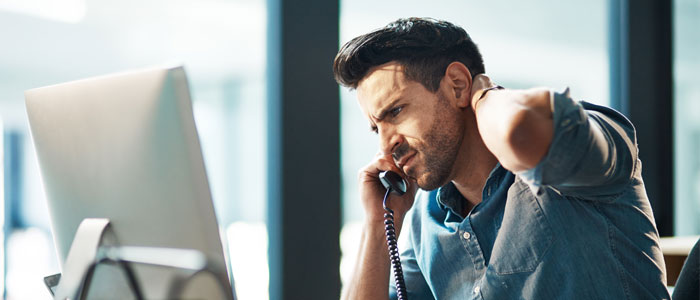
column 577, row 226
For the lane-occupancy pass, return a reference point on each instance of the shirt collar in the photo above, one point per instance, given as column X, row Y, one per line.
column 449, row 197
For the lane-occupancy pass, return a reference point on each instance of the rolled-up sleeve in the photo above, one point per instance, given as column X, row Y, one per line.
column 593, row 152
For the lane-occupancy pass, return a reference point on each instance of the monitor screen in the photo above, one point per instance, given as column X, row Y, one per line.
column 125, row 147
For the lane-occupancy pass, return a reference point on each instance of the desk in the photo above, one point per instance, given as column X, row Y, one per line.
column 675, row 250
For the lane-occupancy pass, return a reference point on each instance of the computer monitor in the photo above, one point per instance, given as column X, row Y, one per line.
column 125, row 147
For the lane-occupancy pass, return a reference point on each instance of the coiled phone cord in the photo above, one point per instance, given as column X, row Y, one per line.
column 394, row 249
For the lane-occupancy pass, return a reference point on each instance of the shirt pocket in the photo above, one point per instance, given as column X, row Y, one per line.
column 525, row 235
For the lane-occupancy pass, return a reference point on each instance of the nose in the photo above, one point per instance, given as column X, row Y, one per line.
column 389, row 140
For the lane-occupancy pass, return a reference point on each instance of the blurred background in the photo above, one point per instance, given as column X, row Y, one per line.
column 224, row 46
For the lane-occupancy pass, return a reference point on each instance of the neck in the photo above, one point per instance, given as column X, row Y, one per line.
column 474, row 166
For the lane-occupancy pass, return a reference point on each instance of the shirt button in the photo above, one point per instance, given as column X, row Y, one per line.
column 466, row 235
column 476, row 289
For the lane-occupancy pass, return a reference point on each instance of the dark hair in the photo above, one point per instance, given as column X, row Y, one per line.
column 423, row 46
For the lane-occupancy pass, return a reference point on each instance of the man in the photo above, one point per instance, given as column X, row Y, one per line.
column 529, row 194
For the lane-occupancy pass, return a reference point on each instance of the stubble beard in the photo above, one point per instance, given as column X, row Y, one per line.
column 441, row 146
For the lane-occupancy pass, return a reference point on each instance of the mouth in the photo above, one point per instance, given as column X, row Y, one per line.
column 402, row 163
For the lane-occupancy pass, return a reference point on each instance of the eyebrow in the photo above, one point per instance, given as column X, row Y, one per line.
column 386, row 109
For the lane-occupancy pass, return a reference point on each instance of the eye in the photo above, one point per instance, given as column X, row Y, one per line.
column 374, row 129
column 395, row 111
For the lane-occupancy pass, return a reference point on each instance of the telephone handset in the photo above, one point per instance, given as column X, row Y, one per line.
column 393, row 182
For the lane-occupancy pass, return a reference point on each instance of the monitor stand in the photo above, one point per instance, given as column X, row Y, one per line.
column 95, row 243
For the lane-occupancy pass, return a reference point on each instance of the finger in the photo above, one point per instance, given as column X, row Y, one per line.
column 480, row 82
column 379, row 164
column 483, row 78
column 384, row 165
column 412, row 182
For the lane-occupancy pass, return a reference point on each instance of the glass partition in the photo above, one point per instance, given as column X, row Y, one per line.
column 686, row 69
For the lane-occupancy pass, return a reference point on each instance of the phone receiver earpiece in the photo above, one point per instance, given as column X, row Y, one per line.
column 391, row 180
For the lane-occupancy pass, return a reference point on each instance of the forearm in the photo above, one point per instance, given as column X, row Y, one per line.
column 515, row 125
column 370, row 278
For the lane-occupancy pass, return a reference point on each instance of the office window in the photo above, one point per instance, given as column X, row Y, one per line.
column 557, row 44
column 2, row 207
column 69, row 11
column 222, row 46
column 686, row 68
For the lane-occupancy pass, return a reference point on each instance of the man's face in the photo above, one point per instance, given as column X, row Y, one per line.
column 422, row 130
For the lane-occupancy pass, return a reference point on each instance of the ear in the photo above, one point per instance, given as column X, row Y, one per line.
column 459, row 82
